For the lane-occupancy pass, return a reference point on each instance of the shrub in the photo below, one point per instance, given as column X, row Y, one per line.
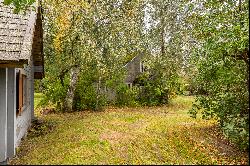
column 87, row 96
column 126, row 96
column 227, row 98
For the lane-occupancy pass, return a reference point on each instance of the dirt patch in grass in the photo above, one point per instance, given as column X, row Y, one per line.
column 40, row 127
column 115, row 137
column 123, row 152
column 188, row 123
column 139, row 125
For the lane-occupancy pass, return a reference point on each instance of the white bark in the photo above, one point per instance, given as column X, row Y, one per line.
column 68, row 102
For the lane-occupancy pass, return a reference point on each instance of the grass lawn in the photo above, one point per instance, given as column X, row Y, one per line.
column 155, row 135
column 37, row 99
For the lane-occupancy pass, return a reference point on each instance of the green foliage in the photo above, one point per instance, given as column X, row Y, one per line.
column 227, row 99
column 87, row 95
column 87, row 98
column 54, row 92
column 20, row 5
column 152, row 93
column 96, row 38
column 38, row 86
column 160, row 83
column 222, row 62
column 127, row 96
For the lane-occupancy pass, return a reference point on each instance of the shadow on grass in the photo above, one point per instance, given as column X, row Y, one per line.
column 212, row 139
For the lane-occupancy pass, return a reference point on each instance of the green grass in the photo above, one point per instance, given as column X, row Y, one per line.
column 149, row 135
column 37, row 99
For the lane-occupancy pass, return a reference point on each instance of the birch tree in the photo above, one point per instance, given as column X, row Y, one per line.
column 84, row 33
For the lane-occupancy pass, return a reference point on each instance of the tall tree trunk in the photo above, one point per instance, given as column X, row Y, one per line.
column 68, row 102
column 162, row 33
column 162, row 43
column 98, row 95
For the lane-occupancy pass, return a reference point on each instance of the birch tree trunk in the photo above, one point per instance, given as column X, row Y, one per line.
column 68, row 102
column 162, row 33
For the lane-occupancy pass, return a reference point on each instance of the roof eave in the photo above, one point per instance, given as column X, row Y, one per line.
column 13, row 64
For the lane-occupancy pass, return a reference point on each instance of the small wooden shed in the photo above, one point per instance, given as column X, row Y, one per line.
column 21, row 61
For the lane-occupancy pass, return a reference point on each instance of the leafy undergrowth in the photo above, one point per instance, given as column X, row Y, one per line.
column 153, row 135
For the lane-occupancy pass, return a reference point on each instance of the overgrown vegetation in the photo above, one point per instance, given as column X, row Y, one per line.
column 222, row 63
column 90, row 45
column 205, row 48
column 192, row 47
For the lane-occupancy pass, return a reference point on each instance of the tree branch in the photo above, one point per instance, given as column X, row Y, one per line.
column 64, row 72
column 243, row 55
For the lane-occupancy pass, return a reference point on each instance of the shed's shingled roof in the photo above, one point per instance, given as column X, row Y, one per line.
column 16, row 32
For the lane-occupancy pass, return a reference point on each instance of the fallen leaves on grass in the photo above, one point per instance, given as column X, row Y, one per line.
column 149, row 135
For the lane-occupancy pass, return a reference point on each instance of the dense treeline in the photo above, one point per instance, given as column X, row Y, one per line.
column 90, row 42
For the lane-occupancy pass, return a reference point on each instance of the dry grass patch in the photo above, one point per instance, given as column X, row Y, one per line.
column 115, row 137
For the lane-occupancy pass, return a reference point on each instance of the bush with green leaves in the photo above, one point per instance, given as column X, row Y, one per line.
column 126, row 96
column 87, row 98
column 221, row 56
column 87, row 95
column 227, row 98
column 155, row 88
column 54, row 92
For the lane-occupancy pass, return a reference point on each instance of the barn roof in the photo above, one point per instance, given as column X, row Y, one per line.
column 133, row 60
column 133, row 68
column 21, row 37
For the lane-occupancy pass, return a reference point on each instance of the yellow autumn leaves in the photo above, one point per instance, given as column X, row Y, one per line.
column 64, row 12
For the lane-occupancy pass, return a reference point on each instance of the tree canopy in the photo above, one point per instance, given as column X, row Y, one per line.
column 20, row 5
